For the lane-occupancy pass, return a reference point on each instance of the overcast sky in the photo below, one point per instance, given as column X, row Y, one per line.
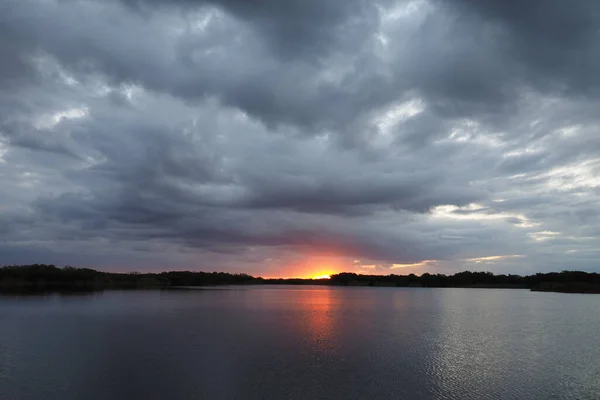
column 298, row 137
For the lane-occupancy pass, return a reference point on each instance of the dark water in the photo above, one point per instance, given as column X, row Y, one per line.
column 301, row 343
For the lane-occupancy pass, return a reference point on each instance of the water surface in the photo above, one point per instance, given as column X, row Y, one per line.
column 301, row 343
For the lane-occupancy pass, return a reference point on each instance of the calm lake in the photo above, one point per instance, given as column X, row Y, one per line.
column 301, row 343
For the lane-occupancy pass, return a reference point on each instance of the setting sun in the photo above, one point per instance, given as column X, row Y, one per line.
column 321, row 277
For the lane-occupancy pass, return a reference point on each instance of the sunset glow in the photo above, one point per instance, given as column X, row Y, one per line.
column 314, row 264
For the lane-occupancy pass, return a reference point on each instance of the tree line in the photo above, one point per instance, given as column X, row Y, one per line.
column 565, row 281
column 50, row 277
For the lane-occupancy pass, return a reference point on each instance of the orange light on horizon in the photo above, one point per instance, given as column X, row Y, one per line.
column 314, row 265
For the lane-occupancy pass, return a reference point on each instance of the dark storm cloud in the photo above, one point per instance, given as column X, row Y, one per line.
column 293, row 28
column 150, row 178
column 554, row 43
column 248, row 74
column 461, row 64
column 390, row 132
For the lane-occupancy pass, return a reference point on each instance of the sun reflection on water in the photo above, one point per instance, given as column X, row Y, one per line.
column 318, row 322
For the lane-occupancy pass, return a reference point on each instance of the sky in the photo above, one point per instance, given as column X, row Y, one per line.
column 301, row 137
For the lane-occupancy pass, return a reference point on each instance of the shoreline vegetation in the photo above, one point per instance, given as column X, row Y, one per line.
column 48, row 278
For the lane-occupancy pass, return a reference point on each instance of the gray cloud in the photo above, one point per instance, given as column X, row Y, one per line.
column 219, row 135
column 294, row 29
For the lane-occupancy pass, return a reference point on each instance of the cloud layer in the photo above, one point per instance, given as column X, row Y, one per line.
column 283, row 138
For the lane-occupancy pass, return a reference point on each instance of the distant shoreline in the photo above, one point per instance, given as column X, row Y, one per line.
column 42, row 277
